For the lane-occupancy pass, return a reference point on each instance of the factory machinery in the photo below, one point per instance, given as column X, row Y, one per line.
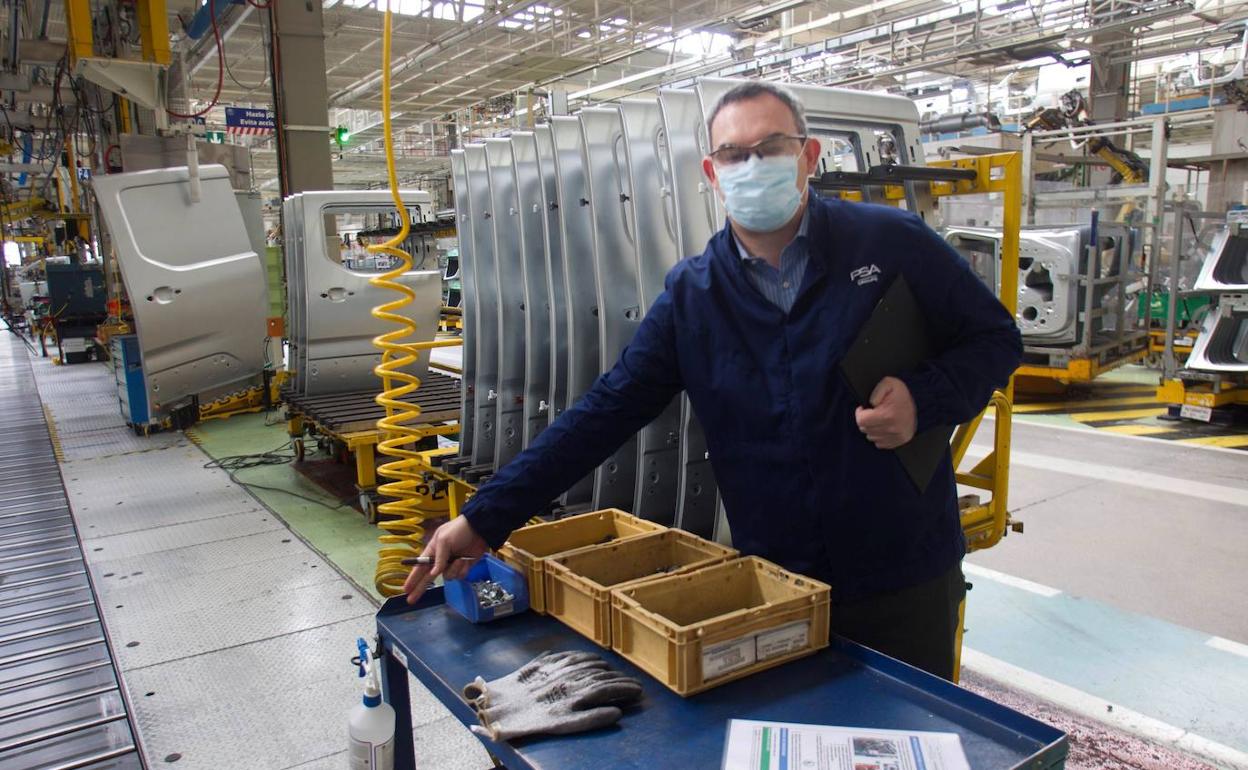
column 1213, row 385
column 61, row 300
column 566, row 234
column 1078, row 287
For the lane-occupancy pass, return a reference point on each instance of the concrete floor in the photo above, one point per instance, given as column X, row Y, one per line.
column 1123, row 598
column 1149, row 526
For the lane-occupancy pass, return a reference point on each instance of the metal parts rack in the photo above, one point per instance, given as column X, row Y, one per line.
column 349, row 421
column 1215, row 380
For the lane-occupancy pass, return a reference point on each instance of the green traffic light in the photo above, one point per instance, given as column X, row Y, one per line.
column 342, row 135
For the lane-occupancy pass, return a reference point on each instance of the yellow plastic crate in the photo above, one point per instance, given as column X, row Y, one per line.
column 699, row 630
column 528, row 547
column 578, row 584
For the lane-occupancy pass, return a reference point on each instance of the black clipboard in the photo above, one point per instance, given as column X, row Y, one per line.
column 893, row 341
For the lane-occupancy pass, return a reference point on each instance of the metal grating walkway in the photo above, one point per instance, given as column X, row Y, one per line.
column 61, row 706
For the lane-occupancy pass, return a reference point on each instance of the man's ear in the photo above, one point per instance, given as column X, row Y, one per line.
column 708, row 170
column 810, row 154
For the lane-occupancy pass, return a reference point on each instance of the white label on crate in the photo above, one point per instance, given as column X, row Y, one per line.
column 726, row 657
column 1202, row 413
column 504, row 609
column 399, row 656
column 74, row 345
column 775, row 642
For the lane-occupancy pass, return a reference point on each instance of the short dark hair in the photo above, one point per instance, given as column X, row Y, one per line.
column 752, row 89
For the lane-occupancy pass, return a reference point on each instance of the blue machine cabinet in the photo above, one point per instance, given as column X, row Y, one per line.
column 131, row 388
column 846, row 684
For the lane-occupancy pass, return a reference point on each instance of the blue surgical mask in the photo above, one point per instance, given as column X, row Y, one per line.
column 761, row 194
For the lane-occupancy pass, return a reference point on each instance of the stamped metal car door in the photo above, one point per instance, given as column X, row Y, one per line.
column 292, row 249
column 531, row 218
column 556, row 283
column 615, row 273
column 197, row 288
column 509, row 277
column 339, row 301
column 695, row 222
column 654, row 236
column 484, row 278
column 464, row 225
column 578, row 269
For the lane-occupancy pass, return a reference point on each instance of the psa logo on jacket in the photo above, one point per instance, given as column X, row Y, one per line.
column 865, row 274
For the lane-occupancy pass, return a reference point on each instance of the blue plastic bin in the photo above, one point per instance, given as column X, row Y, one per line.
column 459, row 593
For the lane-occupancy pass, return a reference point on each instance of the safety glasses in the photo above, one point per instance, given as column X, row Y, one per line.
column 776, row 146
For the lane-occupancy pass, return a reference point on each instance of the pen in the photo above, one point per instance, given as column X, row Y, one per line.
column 414, row 560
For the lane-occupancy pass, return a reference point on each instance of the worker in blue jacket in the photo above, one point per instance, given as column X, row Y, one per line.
column 753, row 330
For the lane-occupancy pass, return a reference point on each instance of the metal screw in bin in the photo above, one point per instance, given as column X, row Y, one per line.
column 491, row 594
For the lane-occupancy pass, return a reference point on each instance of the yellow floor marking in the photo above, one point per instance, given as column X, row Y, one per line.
column 1126, row 414
column 1139, row 430
column 1058, row 406
column 1225, row 441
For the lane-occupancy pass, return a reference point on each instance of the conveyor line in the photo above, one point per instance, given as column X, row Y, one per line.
column 61, row 703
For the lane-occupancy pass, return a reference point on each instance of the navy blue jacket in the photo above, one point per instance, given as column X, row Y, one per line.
column 800, row 483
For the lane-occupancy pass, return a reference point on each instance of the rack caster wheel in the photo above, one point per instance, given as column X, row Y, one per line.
column 368, row 504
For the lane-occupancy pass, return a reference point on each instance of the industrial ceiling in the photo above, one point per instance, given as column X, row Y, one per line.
column 478, row 64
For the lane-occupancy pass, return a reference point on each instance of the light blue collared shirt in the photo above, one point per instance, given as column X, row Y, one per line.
column 779, row 286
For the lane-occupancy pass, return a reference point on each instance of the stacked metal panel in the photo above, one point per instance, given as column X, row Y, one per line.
column 566, row 235
column 331, row 326
column 1222, row 345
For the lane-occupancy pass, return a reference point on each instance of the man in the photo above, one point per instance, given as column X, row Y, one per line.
column 753, row 330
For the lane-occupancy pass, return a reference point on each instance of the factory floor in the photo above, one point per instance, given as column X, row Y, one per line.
column 1117, row 615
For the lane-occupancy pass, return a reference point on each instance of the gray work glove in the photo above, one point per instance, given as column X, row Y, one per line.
column 554, row 694
column 544, row 668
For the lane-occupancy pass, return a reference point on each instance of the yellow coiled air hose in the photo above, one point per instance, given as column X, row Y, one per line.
column 402, row 517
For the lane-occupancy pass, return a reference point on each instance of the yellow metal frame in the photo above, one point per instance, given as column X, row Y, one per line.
column 1176, row 393
column 80, row 41
column 986, row 523
column 153, row 31
column 1183, row 343
column 1079, row 369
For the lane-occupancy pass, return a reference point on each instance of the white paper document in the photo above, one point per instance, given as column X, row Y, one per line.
column 755, row 745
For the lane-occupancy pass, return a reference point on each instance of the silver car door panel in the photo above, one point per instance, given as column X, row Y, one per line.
column 485, row 402
column 556, row 282
column 338, row 301
column 468, row 369
column 532, row 218
column 693, row 210
column 654, row 235
column 197, row 288
column 576, row 222
column 509, row 277
column 615, row 273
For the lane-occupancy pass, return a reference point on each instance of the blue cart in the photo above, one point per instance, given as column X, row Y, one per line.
column 846, row 684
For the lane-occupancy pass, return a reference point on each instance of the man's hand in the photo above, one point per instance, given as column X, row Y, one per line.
column 453, row 539
column 892, row 419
